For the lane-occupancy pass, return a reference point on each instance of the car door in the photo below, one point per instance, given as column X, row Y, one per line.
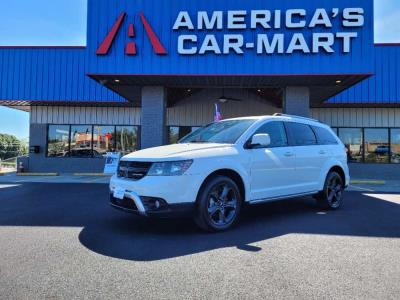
column 272, row 168
column 327, row 142
column 308, row 156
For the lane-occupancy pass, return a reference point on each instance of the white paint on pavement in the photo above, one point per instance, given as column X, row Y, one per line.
column 395, row 198
column 5, row 186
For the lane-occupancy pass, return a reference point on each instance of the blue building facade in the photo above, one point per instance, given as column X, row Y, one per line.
column 152, row 71
column 383, row 88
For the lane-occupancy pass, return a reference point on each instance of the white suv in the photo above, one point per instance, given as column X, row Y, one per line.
column 211, row 173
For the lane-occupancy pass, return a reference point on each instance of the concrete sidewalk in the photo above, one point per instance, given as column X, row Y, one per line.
column 375, row 178
column 375, row 171
column 389, row 186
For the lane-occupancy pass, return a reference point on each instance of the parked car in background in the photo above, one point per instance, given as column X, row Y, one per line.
column 383, row 150
column 83, row 152
column 211, row 173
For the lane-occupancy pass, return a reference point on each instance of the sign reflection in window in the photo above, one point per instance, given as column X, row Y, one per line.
column 81, row 141
column 86, row 141
column 103, row 140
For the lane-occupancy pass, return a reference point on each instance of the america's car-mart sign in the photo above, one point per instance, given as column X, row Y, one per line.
column 275, row 32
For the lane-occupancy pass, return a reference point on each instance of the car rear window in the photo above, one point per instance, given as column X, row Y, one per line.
column 301, row 134
column 324, row 136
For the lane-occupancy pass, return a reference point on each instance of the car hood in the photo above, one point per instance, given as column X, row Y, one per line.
column 178, row 151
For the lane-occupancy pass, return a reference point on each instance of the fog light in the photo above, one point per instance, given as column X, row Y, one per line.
column 153, row 203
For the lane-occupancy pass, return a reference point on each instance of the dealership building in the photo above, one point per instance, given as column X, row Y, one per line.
column 152, row 72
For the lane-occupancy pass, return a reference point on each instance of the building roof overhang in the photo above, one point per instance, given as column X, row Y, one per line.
column 322, row 86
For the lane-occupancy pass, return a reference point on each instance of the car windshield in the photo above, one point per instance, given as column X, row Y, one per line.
column 224, row 132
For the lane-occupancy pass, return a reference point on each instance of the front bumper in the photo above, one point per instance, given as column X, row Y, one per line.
column 173, row 189
column 132, row 203
column 176, row 195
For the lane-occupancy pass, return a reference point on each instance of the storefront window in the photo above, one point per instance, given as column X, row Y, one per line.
column 58, row 141
column 178, row 132
column 126, row 139
column 376, row 145
column 81, row 141
column 103, row 140
column 173, row 136
column 91, row 141
column 352, row 139
column 395, row 145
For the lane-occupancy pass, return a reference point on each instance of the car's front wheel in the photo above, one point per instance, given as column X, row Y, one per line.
column 331, row 197
column 218, row 204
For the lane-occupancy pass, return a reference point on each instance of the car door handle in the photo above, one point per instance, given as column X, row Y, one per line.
column 289, row 154
column 322, row 152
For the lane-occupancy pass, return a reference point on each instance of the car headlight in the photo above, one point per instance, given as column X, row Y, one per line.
column 171, row 168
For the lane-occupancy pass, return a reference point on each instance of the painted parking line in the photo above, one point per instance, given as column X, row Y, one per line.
column 34, row 179
column 4, row 186
column 361, row 188
column 372, row 182
column 104, row 180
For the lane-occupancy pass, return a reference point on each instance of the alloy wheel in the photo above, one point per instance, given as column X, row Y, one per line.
column 335, row 192
column 222, row 204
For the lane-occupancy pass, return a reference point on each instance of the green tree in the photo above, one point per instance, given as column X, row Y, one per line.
column 24, row 149
column 10, row 146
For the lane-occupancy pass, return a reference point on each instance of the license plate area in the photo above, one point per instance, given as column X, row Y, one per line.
column 119, row 193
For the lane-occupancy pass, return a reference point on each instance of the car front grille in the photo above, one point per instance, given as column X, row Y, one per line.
column 133, row 169
column 125, row 203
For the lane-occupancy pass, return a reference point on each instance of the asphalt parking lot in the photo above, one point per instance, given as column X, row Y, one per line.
column 63, row 241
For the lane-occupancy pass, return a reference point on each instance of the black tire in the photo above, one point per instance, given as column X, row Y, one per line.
column 331, row 197
column 218, row 204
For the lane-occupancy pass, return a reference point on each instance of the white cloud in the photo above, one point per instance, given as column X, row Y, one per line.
column 387, row 28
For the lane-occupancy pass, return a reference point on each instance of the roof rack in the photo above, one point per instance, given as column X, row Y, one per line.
column 297, row 117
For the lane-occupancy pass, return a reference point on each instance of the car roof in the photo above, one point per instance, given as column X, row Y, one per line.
column 282, row 117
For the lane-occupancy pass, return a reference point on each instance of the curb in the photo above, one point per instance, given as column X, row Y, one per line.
column 37, row 174
column 6, row 173
column 92, row 174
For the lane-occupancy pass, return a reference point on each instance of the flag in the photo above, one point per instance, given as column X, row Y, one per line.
column 217, row 116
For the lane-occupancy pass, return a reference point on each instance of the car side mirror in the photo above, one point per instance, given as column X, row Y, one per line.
column 260, row 140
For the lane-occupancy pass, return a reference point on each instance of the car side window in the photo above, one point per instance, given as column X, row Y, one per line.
column 277, row 133
column 301, row 134
column 324, row 136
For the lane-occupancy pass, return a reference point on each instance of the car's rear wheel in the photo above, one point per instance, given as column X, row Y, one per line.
column 218, row 204
column 331, row 197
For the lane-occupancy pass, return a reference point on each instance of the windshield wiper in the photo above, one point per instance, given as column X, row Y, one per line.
column 198, row 142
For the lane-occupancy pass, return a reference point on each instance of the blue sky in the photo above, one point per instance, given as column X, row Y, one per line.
column 63, row 22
